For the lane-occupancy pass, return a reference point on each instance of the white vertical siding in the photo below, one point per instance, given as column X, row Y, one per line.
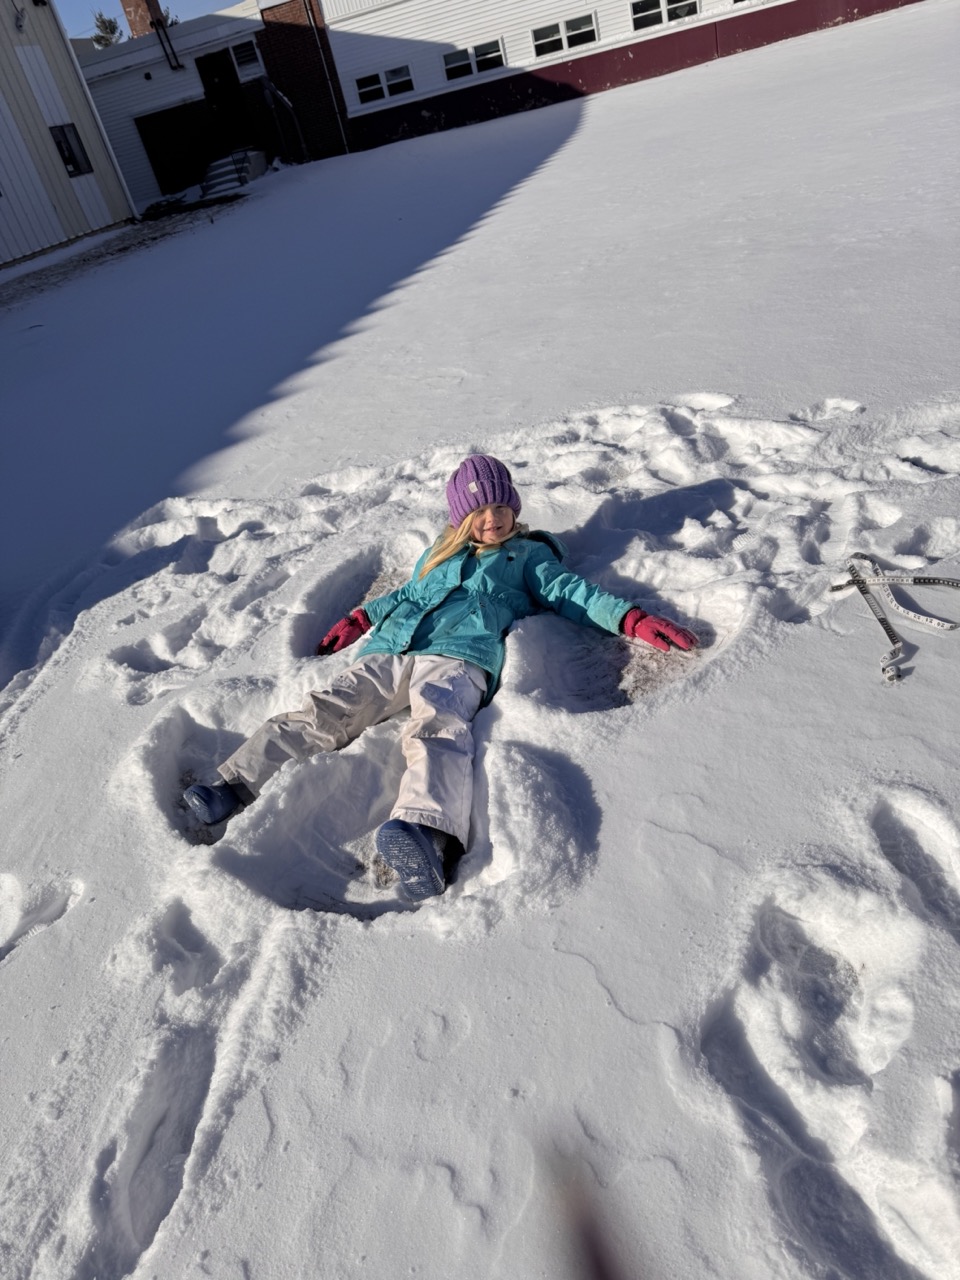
column 28, row 220
column 90, row 198
column 39, row 77
column 85, row 188
column 41, row 205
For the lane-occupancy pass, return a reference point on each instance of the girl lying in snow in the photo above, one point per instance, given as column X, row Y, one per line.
column 436, row 645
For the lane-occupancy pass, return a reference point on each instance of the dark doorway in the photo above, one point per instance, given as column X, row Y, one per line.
column 179, row 145
column 229, row 122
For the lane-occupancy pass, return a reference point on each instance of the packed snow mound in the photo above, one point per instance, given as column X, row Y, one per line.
column 201, row 619
column 730, row 524
column 727, row 523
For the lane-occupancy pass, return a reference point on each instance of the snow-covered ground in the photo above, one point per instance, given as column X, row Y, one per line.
column 702, row 958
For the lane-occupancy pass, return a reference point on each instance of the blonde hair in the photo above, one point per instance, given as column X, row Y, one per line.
column 455, row 538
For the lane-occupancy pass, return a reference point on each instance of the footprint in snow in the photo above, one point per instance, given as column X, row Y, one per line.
column 824, row 989
column 26, row 912
column 243, row 602
column 819, row 1017
column 139, row 1172
column 178, row 945
column 151, row 1131
column 922, row 844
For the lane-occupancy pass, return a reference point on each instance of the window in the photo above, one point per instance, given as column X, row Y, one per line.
column 72, row 153
column 646, row 13
column 580, row 31
column 488, row 56
column 370, row 88
column 649, row 13
column 373, row 88
column 457, row 65
column 574, row 32
column 399, row 80
column 547, row 40
column 483, row 57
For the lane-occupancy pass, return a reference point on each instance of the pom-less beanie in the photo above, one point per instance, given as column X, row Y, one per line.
column 480, row 481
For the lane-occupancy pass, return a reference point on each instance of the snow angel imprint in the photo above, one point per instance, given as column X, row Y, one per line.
column 435, row 646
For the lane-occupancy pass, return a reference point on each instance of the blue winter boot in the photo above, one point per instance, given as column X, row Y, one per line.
column 213, row 804
column 412, row 851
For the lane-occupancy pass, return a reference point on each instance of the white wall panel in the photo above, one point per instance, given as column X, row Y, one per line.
column 28, row 220
column 346, row 8
column 38, row 75
column 90, row 198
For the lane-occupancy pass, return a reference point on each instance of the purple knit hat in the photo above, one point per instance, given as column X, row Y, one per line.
column 480, row 481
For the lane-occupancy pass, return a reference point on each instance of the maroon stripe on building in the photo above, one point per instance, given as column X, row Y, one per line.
column 611, row 68
column 767, row 26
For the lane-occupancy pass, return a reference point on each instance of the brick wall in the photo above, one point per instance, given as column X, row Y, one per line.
column 140, row 15
column 296, row 53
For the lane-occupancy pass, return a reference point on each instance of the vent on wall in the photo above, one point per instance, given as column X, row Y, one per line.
column 247, row 60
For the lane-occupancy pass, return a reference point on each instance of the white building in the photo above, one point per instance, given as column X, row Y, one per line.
column 59, row 179
column 172, row 106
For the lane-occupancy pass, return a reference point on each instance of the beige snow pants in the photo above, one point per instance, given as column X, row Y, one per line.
column 443, row 695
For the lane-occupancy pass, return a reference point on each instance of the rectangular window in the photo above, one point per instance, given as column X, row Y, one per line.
column 464, row 62
column 677, row 9
column 547, row 40
column 373, row 88
column 488, row 56
column 580, row 31
column 72, row 153
column 399, row 80
column 457, row 65
column 646, row 13
column 576, row 31
column 370, row 89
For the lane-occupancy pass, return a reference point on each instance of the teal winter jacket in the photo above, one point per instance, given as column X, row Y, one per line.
column 465, row 606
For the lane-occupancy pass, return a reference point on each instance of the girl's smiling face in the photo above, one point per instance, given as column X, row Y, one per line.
column 492, row 524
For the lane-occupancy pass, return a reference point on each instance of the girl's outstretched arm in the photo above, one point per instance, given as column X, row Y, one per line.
column 359, row 621
column 555, row 587
column 378, row 608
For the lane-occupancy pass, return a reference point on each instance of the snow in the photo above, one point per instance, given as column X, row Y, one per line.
column 699, row 968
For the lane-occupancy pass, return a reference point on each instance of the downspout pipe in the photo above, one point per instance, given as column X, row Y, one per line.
column 308, row 6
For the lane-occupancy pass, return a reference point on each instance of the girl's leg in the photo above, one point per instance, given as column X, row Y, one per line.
column 437, row 787
column 364, row 694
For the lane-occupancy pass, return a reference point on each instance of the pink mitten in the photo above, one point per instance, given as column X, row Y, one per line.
column 346, row 631
column 656, row 631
